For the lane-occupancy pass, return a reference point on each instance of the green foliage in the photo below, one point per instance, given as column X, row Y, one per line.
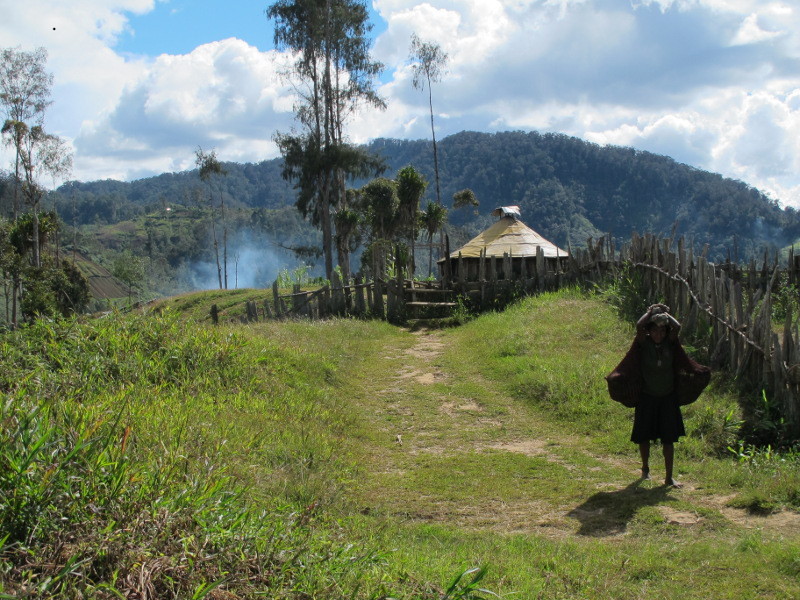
column 130, row 269
column 460, row 589
column 765, row 424
column 51, row 291
column 381, row 205
column 288, row 278
column 717, row 430
column 568, row 190
column 785, row 299
column 465, row 197
column 627, row 293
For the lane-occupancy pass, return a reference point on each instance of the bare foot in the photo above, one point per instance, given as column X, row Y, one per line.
column 670, row 482
column 646, row 474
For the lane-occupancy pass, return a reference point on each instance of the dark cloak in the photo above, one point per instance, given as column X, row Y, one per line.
column 625, row 381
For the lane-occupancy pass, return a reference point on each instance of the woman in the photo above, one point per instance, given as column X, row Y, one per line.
column 657, row 377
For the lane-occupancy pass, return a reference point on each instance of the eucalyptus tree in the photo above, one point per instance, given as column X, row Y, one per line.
column 333, row 75
column 208, row 169
column 24, row 95
column 40, row 154
column 429, row 63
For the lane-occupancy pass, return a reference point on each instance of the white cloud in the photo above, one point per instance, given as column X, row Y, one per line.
column 713, row 83
column 227, row 95
column 751, row 32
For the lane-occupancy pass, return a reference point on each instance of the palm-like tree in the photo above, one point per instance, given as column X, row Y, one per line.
column 411, row 185
column 433, row 219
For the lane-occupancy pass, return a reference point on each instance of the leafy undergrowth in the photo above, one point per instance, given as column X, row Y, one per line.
column 149, row 456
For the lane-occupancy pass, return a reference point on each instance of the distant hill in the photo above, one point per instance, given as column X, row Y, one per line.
column 567, row 189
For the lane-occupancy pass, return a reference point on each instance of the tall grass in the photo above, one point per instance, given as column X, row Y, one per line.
column 123, row 469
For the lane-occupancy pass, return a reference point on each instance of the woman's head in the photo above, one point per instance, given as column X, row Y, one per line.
column 658, row 333
column 658, row 327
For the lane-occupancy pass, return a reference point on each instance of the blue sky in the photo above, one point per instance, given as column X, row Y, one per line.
column 178, row 27
column 139, row 84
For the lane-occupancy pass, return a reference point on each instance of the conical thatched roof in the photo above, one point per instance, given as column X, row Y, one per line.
column 511, row 236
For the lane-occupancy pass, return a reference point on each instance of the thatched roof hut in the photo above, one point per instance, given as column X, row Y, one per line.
column 508, row 236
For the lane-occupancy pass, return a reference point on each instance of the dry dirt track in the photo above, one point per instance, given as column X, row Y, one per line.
column 423, row 425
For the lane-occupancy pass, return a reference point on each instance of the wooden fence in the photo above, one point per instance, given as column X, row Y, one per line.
column 730, row 305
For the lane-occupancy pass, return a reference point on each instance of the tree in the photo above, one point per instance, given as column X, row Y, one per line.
column 433, row 219
column 11, row 265
column 333, row 75
column 25, row 95
column 411, row 186
column 130, row 269
column 49, row 289
column 40, row 154
column 348, row 220
column 209, row 167
column 381, row 203
column 465, row 197
column 429, row 62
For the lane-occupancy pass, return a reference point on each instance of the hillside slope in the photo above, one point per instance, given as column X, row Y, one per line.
column 568, row 189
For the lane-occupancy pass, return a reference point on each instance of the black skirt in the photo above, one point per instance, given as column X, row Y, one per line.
column 658, row 419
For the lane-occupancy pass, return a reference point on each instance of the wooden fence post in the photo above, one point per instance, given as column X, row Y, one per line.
column 277, row 300
column 267, row 309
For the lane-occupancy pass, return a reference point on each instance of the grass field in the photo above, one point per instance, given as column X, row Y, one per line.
column 353, row 459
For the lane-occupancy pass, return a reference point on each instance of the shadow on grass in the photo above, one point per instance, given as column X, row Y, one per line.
column 608, row 513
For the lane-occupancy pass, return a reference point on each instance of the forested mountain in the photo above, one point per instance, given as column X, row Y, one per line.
column 567, row 189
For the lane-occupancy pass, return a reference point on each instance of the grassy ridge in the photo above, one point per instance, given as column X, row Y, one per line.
column 145, row 454
column 152, row 454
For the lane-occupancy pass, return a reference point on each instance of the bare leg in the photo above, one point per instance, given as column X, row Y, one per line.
column 644, row 452
column 669, row 460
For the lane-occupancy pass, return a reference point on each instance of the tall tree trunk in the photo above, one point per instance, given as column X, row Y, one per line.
column 413, row 266
column 224, row 239
column 430, row 255
column 435, row 168
column 344, row 259
column 37, row 258
column 15, row 285
column 435, row 153
column 16, row 179
column 327, row 234
column 216, row 243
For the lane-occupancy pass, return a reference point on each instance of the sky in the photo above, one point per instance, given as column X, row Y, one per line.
column 139, row 85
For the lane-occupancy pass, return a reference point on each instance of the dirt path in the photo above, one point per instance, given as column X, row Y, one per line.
column 436, row 437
